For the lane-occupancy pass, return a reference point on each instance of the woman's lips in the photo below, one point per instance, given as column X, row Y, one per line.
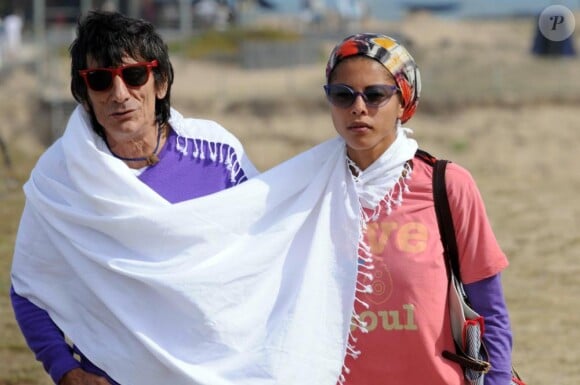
column 359, row 127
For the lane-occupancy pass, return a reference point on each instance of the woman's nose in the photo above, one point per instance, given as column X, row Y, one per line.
column 359, row 105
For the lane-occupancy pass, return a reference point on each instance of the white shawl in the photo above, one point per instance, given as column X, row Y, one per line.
column 251, row 285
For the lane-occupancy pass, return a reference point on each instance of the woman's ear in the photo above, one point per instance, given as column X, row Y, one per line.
column 401, row 110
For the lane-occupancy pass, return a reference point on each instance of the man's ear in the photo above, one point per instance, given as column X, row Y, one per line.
column 162, row 91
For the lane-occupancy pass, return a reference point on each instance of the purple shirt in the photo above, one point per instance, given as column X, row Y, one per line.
column 486, row 298
column 177, row 177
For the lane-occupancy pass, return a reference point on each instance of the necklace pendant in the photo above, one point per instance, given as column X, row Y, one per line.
column 152, row 159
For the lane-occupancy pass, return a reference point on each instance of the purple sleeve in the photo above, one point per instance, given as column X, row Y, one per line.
column 43, row 337
column 486, row 298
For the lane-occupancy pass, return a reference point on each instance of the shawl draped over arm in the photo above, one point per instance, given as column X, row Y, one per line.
column 251, row 285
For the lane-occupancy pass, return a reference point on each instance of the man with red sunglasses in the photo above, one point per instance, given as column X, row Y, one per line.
column 121, row 78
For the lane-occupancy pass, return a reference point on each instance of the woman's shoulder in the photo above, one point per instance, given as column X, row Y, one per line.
column 458, row 174
column 424, row 163
column 461, row 186
column 458, row 179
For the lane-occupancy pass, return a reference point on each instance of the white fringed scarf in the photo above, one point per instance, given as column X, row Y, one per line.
column 251, row 285
column 375, row 184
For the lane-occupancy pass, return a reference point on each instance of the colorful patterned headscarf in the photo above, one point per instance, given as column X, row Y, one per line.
column 387, row 51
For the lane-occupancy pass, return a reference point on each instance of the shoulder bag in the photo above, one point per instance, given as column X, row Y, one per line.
column 467, row 325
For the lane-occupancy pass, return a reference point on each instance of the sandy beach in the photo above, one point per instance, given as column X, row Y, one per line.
column 488, row 104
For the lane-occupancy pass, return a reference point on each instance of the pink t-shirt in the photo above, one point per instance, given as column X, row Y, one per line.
column 407, row 317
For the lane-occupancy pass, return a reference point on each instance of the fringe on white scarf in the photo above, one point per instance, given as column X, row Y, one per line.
column 161, row 297
column 380, row 187
column 218, row 152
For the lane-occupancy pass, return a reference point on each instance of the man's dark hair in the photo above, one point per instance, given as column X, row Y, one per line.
column 108, row 37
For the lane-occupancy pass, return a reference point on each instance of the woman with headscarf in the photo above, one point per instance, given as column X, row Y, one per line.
column 401, row 324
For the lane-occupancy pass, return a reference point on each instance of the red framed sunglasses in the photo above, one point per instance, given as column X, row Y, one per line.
column 134, row 75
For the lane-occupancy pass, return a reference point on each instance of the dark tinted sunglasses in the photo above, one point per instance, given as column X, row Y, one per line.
column 134, row 75
column 343, row 96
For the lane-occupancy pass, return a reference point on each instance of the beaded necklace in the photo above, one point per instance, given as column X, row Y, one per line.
column 150, row 159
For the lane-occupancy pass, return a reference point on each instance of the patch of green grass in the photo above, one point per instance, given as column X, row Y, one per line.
column 17, row 363
column 459, row 146
column 212, row 44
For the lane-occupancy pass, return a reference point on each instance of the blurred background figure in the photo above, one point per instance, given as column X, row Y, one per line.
column 312, row 11
column 351, row 13
column 543, row 46
column 109, row 6
column 1, row 42
column 13, row 34
column 206, row 12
